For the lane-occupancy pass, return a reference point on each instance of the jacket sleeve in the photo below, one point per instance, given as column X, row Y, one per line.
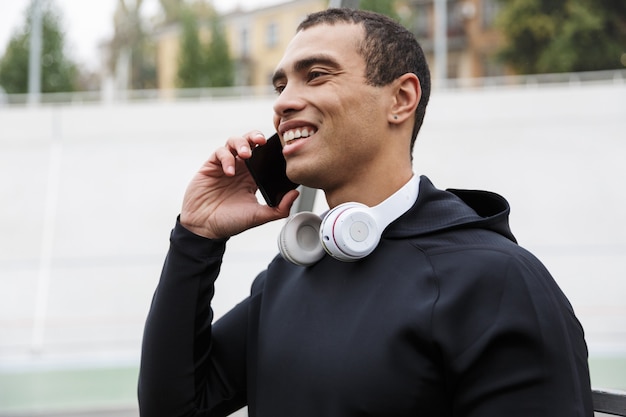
column 510, row 341
column 184, row 370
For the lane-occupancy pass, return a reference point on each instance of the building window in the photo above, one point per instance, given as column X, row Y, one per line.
column 245, row 42
column 271, row 35
column 490, row 11
column 422, row 21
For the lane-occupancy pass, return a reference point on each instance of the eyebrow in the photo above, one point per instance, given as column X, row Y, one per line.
column 305, row 64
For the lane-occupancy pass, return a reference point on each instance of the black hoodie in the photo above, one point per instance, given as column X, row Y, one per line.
column 447, row 317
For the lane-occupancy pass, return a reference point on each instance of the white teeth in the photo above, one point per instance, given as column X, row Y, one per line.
column 297, row 134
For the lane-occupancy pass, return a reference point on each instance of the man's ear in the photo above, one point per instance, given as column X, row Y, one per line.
column 406, row 96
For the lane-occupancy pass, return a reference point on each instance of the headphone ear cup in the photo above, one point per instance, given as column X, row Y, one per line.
column 349, row 232
column 299, row 239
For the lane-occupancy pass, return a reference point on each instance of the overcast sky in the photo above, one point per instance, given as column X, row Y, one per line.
column 88, row 22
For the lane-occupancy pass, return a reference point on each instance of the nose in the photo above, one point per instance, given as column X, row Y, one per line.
column 289, row 101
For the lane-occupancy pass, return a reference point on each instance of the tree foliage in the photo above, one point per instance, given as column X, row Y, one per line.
column 203, row 64
column 58, row 72
column 219, row 65
column 385, row 7
column 191, row 71
column 546, row 36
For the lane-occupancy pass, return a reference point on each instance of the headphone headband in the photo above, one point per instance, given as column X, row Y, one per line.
column 348, row 232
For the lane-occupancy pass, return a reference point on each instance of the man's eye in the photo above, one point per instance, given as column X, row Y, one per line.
column 315, row 74
column 279, row 89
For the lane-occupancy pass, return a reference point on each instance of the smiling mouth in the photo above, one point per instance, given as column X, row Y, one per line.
column 292, row 135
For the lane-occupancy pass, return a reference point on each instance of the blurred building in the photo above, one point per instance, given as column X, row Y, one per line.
column 472, row 39
column 258, row 38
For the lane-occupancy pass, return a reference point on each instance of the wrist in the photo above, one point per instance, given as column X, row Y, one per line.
column 186, row 241
column 196, row 229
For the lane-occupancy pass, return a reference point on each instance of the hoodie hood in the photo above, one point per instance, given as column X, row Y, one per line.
column 437, row 211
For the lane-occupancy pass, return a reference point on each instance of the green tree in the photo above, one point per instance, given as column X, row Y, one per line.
column 203, row 64
column 58, row 72
column 219, row 65
column 191, row 65
column 385, row 7
column 563, row 35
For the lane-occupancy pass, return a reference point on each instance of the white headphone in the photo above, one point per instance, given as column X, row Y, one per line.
column 348, row 232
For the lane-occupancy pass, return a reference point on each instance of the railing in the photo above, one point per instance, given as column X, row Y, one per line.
column 609, row 402
column 106, row 96
column 570, row 78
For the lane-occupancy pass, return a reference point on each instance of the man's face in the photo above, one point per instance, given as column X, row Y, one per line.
column 331, row 122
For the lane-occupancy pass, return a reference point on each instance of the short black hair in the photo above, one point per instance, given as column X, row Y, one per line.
column 389, row 49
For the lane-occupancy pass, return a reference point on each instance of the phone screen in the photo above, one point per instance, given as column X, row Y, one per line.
column 268, row 168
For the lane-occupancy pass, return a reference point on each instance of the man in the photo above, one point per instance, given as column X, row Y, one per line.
column 447, row 316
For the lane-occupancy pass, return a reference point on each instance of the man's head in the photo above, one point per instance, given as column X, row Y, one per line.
column 388, row 48
column 349, row 97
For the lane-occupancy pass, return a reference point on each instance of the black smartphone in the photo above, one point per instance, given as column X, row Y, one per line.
column 268, row 168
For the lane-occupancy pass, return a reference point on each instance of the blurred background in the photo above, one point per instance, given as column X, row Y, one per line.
column 108, row 108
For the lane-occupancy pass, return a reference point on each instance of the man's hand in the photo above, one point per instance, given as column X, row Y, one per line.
column 220, row 200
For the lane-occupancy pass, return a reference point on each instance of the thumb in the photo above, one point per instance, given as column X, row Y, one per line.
column 281, row 211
